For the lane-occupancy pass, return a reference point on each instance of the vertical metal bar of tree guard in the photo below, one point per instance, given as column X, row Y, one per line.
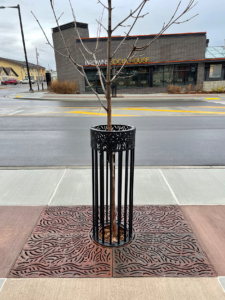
column 120, row 162
column 93, row 192
column 102, row 194
column 111, row 169
column 107, row 184
column 125, row 196
column 96, row 192
column 131, row 192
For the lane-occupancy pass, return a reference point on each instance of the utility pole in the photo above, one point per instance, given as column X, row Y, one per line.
column 24, row 46
column 37, row 66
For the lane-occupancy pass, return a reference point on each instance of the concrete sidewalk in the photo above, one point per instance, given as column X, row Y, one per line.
column 46, row 96
column 151, row 187
column 200, row 193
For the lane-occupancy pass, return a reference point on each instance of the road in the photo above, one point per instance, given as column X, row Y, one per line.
column 48, row 133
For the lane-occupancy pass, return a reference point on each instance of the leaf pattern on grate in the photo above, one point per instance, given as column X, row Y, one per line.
column 67, row 255
column 159, row 219
column 167, row 254
column 65, row 220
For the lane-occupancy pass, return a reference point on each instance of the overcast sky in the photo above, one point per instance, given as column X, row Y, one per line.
column 210, row 19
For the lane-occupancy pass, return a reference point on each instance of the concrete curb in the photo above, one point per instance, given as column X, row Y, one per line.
column 89, row 167
column 113, row 100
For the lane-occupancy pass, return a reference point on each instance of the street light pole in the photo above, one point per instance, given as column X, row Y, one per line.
column 24, row 46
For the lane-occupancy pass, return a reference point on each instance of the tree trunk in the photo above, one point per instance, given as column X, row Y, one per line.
column 109, row 115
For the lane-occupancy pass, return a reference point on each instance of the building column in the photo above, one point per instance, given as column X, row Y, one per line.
column 201, row 74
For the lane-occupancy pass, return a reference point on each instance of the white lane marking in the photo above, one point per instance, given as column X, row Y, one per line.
column 220, row 282
column 15, row 112
column 57, row 187
column 3, row 283
column 167, row 183
column 221, row 101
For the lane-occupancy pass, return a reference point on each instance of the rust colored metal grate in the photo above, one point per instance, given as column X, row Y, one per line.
column 61, row 245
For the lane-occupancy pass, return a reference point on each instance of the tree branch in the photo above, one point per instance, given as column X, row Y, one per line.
column 99, row 31
column 87, row 50
column 103, row 5
column 125, row 25
column 171, row 22
column 78, row 67
column 135, row 20
column 48, row 42
column 185, row 20
column 140, row 16
column 128, row 57
column 102, row 25
column 130, row 15
column 57, row 22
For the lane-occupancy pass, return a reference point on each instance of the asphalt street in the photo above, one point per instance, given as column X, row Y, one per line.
column 161, row 141
column 55, row 140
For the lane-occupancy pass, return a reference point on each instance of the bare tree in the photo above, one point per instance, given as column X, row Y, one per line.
column 107, row 81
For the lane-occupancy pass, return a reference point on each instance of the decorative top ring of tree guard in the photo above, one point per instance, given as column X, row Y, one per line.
column 122, row 137
column 112, row 212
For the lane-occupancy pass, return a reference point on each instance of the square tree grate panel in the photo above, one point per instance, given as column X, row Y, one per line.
column 61, row 246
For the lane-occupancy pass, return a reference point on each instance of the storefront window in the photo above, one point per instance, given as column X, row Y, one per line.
column 215, row 71
column 158, row 79
column 168, row 75
column 91, row 75
column 143, row 79
column 190, row 78
column 121, row 82
column 158, row 69
column 138, row 77
column 132, row 81
column 174, row 74
column 168, row 78
column 133, row 77
column 179, row 78
column 158, row 76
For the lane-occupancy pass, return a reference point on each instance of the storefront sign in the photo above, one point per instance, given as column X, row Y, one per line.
column 118, row 61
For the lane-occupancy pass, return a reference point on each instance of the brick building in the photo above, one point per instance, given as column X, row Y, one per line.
column 179, row 59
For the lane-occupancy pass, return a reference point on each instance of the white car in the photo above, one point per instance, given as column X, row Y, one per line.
column 26, row 81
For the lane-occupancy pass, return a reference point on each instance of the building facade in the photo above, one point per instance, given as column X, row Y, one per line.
column 19, row 67
column 179, row 59
column 7, row 73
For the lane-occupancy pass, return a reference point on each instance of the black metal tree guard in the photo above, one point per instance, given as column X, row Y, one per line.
column 112, row 153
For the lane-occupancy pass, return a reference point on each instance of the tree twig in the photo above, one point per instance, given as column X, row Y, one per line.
column 60, row 16
column 103, row 4
column 102, row 25
column 131, row 14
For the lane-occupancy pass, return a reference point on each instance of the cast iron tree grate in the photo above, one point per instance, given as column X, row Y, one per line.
column 61, row 245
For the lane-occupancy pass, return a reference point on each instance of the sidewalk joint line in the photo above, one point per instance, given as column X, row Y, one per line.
column 56, row 187
column 167, row 183
column 221, row 283
column 3, row 283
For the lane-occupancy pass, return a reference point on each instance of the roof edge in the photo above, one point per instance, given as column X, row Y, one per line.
column 70, row 25
column 21, row 63
column 148, row 35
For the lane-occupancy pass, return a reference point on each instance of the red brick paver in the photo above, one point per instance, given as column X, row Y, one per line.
column 16, row 225
column 208, row 224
